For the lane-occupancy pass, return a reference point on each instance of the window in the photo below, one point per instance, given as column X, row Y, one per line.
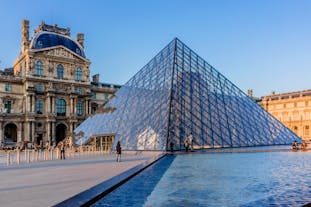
column 79, row 91
column 39, row 68
column 61, row 107
column 7, row 87
column 7, row 106
column 60, row 71
column 93, row 95
column 307, row 130
column 39, row 87
column 106, row 96
column 79, row 109
column 39, row 106
column 79, row 74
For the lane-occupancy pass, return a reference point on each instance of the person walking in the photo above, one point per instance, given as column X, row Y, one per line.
column 186, row 144
column 62, row 150
column 172, row 147
column 118, row 149
column 191, row 141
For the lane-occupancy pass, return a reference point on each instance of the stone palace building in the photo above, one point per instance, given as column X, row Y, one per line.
column 48, row 93
column 293, row 109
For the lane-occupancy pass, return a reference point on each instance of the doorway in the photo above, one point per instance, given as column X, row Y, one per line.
column 10, row 133
column 60, row 132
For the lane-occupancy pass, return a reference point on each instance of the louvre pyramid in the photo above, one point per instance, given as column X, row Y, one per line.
column 178, row 93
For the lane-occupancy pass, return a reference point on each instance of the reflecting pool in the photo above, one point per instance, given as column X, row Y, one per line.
column 277, row 178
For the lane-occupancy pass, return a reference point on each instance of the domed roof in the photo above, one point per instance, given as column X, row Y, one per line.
column 49, row 39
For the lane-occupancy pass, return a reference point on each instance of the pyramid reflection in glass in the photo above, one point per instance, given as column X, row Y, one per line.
column 178, row 93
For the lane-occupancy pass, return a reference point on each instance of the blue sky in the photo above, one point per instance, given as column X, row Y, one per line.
column 261, row 45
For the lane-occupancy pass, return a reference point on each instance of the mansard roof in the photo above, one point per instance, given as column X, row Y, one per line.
column 46, row 39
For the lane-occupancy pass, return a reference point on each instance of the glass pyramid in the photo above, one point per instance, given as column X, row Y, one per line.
column 178, row 93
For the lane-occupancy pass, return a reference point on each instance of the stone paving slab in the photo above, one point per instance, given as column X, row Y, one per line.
column 48, row 183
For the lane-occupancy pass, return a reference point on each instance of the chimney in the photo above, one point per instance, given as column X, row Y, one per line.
column 80, row 39
column 250, row 93
column 25, row 35
column 95, row 78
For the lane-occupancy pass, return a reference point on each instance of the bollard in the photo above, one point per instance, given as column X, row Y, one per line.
column 28, row 155
column 44, row 155
column 57, row 153
column 8, row 159
column 18, row 157
column 32, row 155
column 25, row 156
column 37, row 155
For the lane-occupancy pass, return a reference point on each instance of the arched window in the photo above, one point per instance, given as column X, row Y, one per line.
column 79, row 74
column 60, row 71
column 39, row 106
column 39, row 68
column 60, row 107
column 79, row 109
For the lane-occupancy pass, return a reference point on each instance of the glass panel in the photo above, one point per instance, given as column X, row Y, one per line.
column 177, row 94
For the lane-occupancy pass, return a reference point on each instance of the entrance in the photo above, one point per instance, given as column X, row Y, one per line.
column 60, row 132
column 10, row 133
column 39, row 140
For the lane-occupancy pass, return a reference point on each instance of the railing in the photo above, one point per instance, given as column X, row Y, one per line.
column 29, row 156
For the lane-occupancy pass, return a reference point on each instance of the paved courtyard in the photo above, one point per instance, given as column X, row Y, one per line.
column 50, row 182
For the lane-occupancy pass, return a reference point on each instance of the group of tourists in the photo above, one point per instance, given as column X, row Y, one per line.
column 188, row 144
column 303, row 146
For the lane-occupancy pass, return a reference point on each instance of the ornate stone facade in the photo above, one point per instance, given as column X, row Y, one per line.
column 48, row 92
column 292, row 109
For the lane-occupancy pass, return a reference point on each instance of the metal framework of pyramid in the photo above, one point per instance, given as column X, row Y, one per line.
column 178, row 93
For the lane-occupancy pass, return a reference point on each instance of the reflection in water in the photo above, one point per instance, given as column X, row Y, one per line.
column 245, row 179
column 235, row 179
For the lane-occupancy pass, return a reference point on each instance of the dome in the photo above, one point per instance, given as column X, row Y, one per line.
column 50, row 39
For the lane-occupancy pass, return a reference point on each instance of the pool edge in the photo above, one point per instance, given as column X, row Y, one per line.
column 93, row 194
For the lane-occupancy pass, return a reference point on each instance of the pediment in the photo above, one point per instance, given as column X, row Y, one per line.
column 60, row 51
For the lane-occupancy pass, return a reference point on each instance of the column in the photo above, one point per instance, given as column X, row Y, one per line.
column 27, row 129
column 33, row 130
column 53, row 133
column 1, row 133
column 70, row 100
column 48, row 104
column 19, row 132
column 53, row 104
column 48, row 131
column 33, row 103
column 85, row 107
column 28, row 103
column 89, row 112
column 74, row 105
column 29, row 132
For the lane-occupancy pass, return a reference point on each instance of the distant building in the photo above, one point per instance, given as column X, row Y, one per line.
column 293, row 109
column 48, row 93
